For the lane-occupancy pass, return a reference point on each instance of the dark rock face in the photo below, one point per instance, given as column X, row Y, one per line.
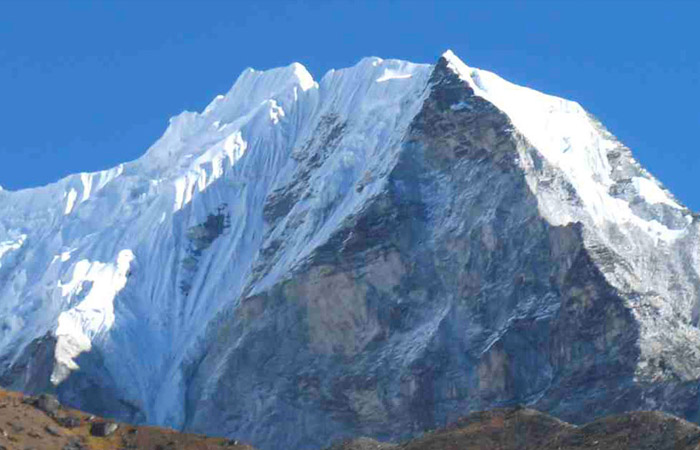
column 448, row 292
column 32, row 370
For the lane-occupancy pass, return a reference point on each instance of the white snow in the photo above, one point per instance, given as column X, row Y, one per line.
column 276, row 112
column 94, row 314
column 209, row 166
column 235, row 147
column 11, row 245
column 392, row 75
column 212, row 106
column 70, row 201
column 652, row 193
column 306, row 81
column 86, row 179
column 564, row 134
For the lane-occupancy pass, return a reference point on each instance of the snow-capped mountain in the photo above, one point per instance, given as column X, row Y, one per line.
column 375, row 253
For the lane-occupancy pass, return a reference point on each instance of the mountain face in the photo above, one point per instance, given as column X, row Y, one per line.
column 374, row 254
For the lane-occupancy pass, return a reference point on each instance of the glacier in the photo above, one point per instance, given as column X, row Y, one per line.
column 374, row 253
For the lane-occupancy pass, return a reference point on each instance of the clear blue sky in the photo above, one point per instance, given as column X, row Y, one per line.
column 87, row 85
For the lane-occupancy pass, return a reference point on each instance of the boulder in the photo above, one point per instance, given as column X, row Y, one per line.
column 52, row 430
column 68, row 421
column 47, row 403
column 103, row 429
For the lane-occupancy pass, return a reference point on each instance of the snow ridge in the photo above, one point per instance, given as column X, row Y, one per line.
column 564, row 135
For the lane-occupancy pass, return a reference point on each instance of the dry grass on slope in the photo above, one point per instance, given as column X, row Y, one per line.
column 27, row 423
column 527, row 429
column 24, row 425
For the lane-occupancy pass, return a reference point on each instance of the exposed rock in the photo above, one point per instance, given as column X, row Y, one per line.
column 52, row 430
column 74, row 443
column 103, row 429
column 47, row 403
column 69, row 421
column 16, row 427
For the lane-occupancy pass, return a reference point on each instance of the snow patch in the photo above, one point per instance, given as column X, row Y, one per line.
column 276, row 112
column 306, row 81
column 93, row 315
column 11, row 245
column 63, row 257
column 180, row 187
column 459, row 106
column 235, row 147
column 70, row 201
column 652, row 193
column 86, row 179
column 390, row 74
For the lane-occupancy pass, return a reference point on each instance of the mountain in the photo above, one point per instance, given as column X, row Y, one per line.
column 375, row 253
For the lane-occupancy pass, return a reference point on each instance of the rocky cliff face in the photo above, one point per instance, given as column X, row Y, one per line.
column 374, row 254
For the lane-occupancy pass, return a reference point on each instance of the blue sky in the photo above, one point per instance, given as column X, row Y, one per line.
column 87, row 85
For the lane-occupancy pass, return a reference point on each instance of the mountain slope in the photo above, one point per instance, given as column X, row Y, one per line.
column 372, row 254
column 525, row 429
column 42, row 423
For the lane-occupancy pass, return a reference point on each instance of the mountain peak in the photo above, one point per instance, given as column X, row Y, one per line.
column 456, row 64
column 450, row 56
column 306, row 81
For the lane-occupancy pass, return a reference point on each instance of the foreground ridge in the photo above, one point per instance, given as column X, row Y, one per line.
column 41, row 422
column 527, row 429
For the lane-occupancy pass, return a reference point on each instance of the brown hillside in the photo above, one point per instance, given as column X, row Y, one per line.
column 40, row 423
column 526, row 429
